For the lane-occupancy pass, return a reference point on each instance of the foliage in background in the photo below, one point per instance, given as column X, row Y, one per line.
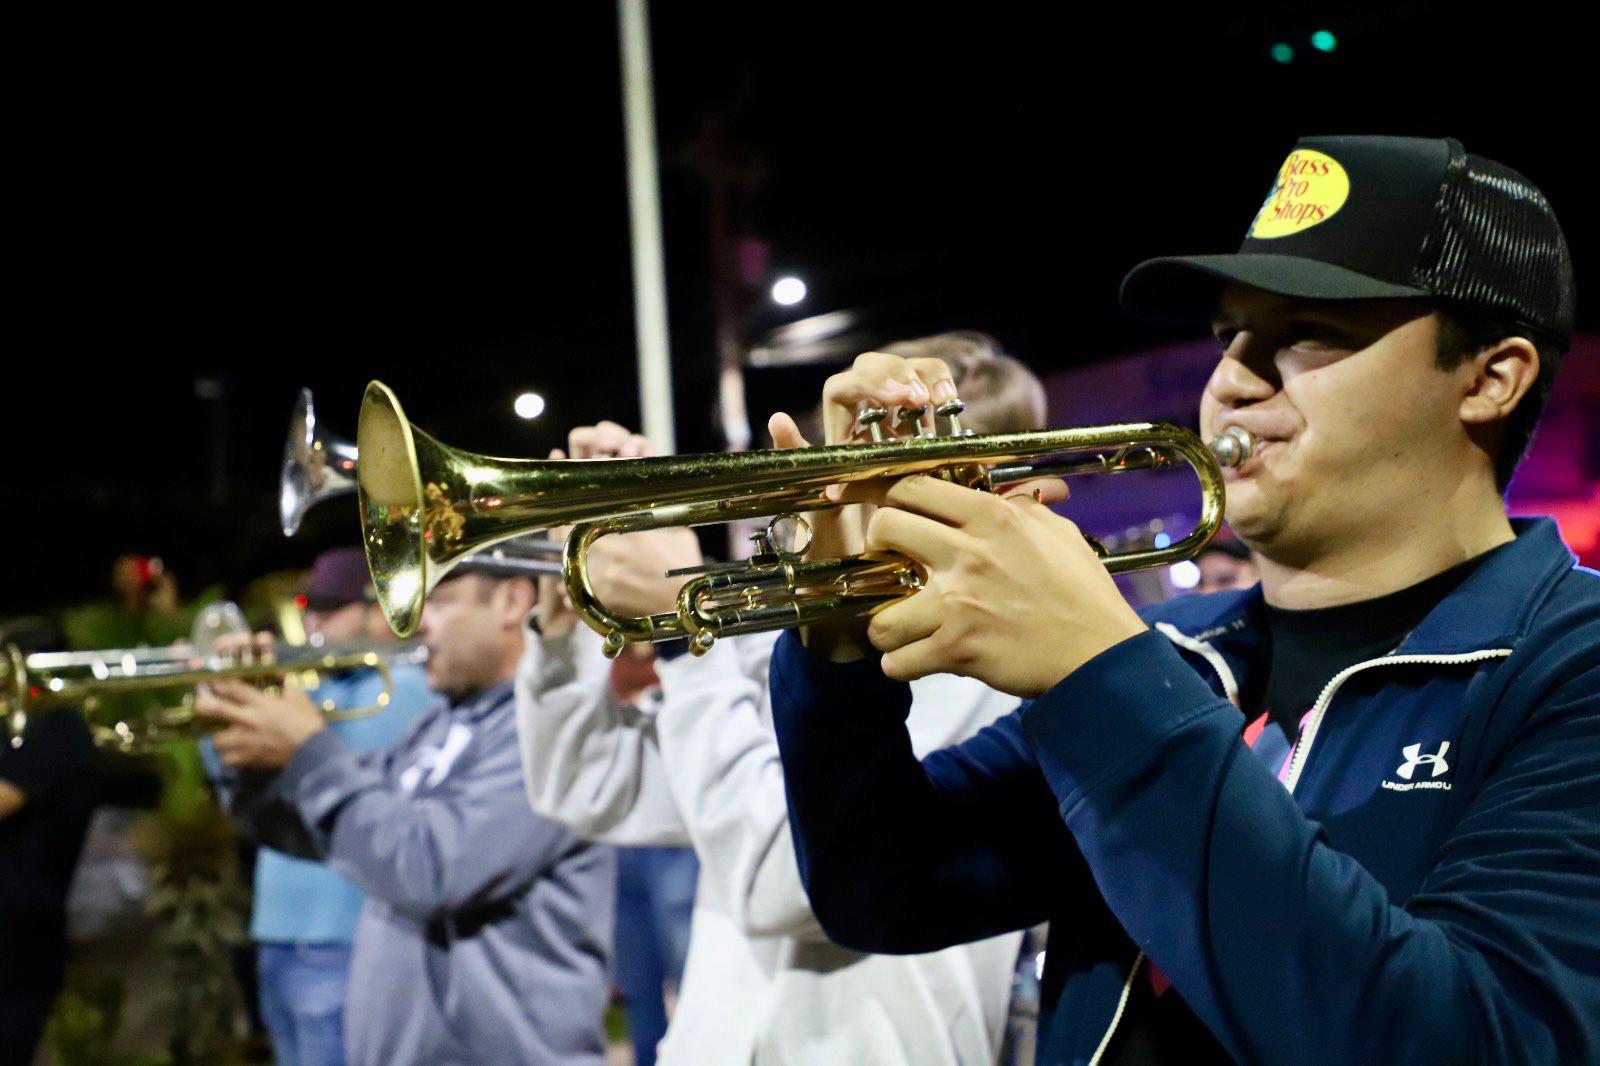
column 200, row 904
column 107, row 624
column 199, row 907
column 85, row 1021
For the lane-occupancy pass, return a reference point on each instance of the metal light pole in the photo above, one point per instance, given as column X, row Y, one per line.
column 644, row 212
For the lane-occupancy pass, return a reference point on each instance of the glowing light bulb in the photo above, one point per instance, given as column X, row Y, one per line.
column 788, row 291
column 529, row 405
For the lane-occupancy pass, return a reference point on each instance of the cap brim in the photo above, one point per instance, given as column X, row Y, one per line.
column 488, row 566
column 1187, row 286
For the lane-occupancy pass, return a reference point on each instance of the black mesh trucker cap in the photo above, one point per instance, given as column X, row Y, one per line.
column 1360, row 218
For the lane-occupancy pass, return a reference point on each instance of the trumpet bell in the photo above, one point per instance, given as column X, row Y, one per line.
column 425, row 505
column 389, row 487
column 316, row 466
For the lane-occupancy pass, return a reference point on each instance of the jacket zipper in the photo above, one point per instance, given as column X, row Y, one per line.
column 1122, row 1005
column 1302, row 745
column 1230, row 687
column 1297, row 757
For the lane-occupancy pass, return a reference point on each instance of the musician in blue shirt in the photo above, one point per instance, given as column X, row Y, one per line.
column 304, row 915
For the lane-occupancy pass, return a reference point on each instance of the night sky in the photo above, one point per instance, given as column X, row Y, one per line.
column 240, row 208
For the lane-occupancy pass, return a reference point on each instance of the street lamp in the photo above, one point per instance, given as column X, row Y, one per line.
column 788, row 291
column 529, row 405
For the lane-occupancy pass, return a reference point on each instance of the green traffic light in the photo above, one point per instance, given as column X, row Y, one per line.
column 1324, row 41
column 1282, row 53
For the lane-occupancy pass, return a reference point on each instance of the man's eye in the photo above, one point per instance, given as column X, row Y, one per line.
column 1319, row 335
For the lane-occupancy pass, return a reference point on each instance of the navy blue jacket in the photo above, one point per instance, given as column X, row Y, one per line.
column 1425, row 889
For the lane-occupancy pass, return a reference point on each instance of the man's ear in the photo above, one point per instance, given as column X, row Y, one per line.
column 516, row 598
column 1500, row 376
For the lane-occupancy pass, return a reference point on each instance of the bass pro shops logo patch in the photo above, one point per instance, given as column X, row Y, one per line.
column 1311, row 187
column 1407, row 771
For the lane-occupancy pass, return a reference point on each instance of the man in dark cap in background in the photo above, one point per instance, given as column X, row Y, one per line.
column 1225, row 564
column 485, row 934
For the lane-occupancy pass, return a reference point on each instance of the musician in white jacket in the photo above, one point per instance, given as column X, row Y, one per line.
column 697, row 764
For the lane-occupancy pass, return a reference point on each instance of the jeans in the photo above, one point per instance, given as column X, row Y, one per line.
column 302, row 1001
column 655, row 896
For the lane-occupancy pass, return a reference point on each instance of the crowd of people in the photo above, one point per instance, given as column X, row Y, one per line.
column 1341, row 806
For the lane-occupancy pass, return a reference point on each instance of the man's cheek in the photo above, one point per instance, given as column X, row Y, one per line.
column 1208, row 414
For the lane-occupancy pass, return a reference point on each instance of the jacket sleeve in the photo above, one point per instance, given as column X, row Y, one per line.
column 257, row 803
column 262, row 807
column 723, row 768
column 1287, row 948
column 591, row 762
column 471, row 842
column 905, row 856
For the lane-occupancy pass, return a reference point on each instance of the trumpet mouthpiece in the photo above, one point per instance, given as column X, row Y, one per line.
column 1233, row 446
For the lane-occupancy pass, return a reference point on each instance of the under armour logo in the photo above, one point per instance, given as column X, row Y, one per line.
column 1415, row 758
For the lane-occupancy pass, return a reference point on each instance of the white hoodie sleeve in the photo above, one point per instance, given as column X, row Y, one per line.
column 715, row 729
column 590, row 761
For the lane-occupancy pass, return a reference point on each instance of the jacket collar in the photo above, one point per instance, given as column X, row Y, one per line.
column 1491, row 609
column 480, row 705
column 1494, row 608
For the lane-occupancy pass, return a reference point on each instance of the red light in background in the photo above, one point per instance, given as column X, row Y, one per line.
column 1578, row 520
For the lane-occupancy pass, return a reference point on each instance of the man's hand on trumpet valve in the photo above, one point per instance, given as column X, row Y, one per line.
column 259, row 727
column 875, row 382
column 910, row 390
column 881, row 382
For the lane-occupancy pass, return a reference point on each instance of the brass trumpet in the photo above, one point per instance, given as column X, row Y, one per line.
column 425, row 505
column 135, row 698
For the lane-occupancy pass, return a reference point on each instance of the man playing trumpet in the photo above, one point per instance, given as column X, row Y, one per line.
column 486, row 931
column 698, row 765
column 1349, row 815
column 303, row 913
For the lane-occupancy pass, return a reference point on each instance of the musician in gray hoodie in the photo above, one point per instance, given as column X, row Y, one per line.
column 486, row 931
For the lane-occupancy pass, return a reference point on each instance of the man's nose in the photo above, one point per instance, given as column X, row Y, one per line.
column 1245, row 375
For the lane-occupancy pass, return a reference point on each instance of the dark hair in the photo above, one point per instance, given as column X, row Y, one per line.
column 1225, row 543
column 1466, row 331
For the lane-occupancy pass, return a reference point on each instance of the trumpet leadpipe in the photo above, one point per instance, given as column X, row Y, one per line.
column 1230, row 448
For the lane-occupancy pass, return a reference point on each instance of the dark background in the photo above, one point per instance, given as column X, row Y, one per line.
column 221, row 210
